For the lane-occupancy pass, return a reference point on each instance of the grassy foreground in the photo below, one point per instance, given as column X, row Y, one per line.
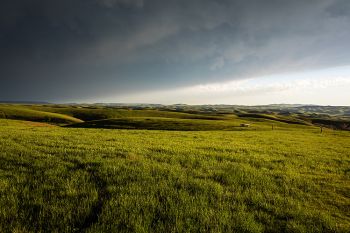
column 55, row 179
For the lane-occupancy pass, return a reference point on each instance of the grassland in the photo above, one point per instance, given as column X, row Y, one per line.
column 100, row 113
column 212, row 176
column 24, row 113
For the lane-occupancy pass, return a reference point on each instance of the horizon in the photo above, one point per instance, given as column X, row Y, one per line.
column 126, row 104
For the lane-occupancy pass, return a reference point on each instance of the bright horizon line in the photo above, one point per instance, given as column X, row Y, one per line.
column 147, row 103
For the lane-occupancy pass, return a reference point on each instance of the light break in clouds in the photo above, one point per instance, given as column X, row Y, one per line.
column 324, row 87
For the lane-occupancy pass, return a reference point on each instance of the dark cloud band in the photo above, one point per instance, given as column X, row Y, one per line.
column 57, row 50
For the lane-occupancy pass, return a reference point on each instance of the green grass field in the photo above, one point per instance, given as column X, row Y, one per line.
column 24, row 113
column 209, row 175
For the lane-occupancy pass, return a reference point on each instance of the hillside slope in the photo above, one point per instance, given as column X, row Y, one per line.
column 23, row 113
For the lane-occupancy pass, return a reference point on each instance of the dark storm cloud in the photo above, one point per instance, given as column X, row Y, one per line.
column 72, row 49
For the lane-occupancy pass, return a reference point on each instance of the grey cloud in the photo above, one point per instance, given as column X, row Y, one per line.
column 125, row 3
column 340, row 9
column 91, row 47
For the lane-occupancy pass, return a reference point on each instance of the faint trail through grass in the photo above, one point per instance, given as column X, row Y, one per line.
column 102, row 193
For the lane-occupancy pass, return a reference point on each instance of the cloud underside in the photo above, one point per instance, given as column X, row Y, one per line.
column 57, row 50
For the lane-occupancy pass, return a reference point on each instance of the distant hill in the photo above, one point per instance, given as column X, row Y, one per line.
column 105, row 115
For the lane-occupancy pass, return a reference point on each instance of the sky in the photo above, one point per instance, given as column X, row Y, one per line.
column 177, row 51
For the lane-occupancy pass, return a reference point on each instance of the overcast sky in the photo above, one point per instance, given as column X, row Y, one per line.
column 188, row 51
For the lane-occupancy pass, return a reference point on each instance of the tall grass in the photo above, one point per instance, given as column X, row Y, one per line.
column 56, row 179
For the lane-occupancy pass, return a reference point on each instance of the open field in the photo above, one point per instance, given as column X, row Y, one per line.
column 212, row 176
column 326, row 116
column 165, row 123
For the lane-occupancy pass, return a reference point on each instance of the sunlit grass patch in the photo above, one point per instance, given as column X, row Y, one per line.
column 54, row 179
